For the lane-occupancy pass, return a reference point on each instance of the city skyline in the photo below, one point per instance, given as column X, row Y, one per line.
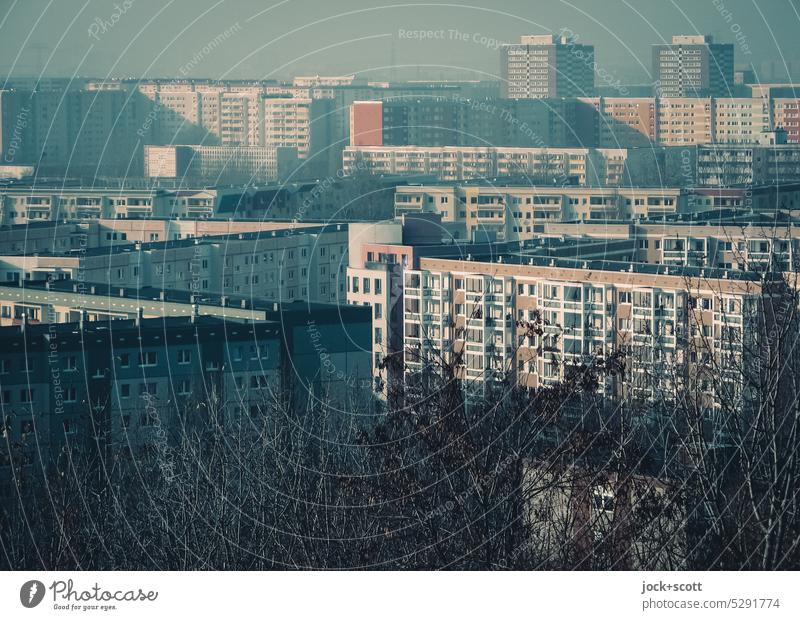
column 115, row 40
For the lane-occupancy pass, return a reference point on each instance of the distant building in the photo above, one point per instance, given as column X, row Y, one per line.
column 621, row 122
column 539, row 166
column 786, row 115
column 547, row 66
column 737, row 164
column 286, row 264
column 693, row 66
column 685, row 120
column 741, row 121
column 366, row 123
column 516, row 212
column 300, row 123
column 216, row 164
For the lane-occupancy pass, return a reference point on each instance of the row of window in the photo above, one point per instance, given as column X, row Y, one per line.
column 365, row 286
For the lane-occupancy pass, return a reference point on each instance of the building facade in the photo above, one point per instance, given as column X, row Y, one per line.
column 547, row 66
column 693, row 66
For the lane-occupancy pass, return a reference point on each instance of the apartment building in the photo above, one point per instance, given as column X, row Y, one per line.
column 685, row 120
column 529, row 320
column 381, row 253
column 73, row 131
column 42, row 203
column 454, row 120
column 376, row 259
column 547, row 66
column 278, row 265
column 301, row 123
column 630, row 121
column 786, row 115
column 313, row 201
column 366, row 123
column 512, row 212
column 214, row 164
column 741, row 121
column 693, row 66
column 739, row 164
column 227, row 114
column 750, row 244
column 125, row 385
column 63, row 237
column 550, row 166
column 625, row 121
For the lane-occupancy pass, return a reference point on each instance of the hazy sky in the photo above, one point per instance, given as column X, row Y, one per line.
column 281, row 38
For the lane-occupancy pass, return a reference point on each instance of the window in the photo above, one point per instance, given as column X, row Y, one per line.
column 71, row 395
column 125, row 390
column 148, row 358
column 125, row 360
column 378, row 286
column 184, row 387
column 26, row 396
column 378, row 311
column 184, row 356
column 366, row 285
column 378, row 335
column 72, row 363
column 147, row 388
